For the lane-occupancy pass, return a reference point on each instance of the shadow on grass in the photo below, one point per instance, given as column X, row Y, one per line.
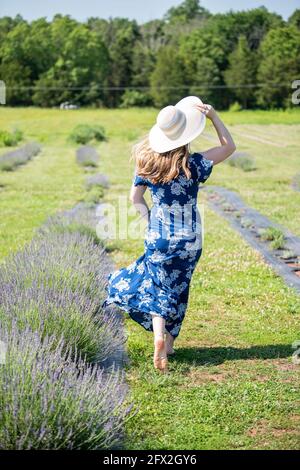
column 218, row 355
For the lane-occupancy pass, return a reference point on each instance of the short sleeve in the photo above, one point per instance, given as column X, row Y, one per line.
column 203, row 167
column 139, row 181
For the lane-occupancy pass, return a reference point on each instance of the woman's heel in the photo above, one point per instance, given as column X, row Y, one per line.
column 160, row 358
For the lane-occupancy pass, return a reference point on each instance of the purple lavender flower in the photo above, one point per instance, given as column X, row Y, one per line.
column 56, row 285
column 10, row 160
column 97, row 180
column 55, row 392
column 87, row 156
column 58, row 404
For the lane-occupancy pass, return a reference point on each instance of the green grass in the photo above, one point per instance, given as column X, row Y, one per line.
column 232, row 383
column 50, row 182
column 261, row 117
column 94, row 195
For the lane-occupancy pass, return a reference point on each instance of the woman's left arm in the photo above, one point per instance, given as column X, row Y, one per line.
column 138, row 200
column 227, row 147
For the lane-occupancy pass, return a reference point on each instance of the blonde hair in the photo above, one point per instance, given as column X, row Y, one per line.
column 160, row 167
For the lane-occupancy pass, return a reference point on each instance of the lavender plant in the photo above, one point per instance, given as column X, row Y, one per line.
column 242, row 160
column 94, row 195
column 49, row 401
column 80, row 219
column 87, row 156
column 97, row 180
column 296, row 182
column 9, row 161
column 84, row 133
column 52, row 396
column 55, row 285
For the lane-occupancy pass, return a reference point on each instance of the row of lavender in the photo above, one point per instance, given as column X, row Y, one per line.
column 11, row 160
column 82, row 133
column 54, row 392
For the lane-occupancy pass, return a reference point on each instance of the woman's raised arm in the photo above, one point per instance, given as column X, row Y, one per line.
column 227, row 147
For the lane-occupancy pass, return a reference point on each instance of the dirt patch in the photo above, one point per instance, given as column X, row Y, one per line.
column 201, row 376
column 287, row 367
column 264, row 428
column 259, row 429
column 261, row 371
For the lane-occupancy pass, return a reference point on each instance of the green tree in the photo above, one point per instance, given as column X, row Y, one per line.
column 79, row 71
column 60, row 29
column 29, row 46
column 123, row 35
column 203, row 57
column 187, row 10
column 144, row 54
column 143, row 63
column 253, row 24
column 294, row 19
column 241, row 73
column 279, row 66
column 168, row 78
column 25, row 54
column 181, row 20
column 206, row 82
column 6, row 25
column 188, row 51
column 18, row 83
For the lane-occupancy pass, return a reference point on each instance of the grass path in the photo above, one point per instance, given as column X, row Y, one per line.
column 50, row 182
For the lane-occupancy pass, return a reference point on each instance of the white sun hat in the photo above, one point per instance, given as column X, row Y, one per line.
column 177, row 125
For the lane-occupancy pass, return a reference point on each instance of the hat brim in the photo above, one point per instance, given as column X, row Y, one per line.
column 195, row 124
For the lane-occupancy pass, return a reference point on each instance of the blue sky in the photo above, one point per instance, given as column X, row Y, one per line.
column 141, row 10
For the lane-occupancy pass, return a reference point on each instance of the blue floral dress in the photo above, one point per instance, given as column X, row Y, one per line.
column 158, row 281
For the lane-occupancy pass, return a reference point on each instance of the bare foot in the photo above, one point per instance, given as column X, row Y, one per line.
column 160, row 358
column 169, row 344
column 170, row 352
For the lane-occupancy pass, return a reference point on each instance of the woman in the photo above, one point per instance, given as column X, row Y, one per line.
column 154, row 289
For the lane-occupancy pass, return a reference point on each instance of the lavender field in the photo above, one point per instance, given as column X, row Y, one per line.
column 233, row 374
column 56, row 391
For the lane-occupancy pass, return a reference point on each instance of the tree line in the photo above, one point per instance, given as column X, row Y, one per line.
column 247, row 59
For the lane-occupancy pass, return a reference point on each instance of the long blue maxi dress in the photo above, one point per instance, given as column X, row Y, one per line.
column 158, row 281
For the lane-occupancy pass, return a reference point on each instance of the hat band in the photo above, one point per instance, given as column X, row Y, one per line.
column 175, row 130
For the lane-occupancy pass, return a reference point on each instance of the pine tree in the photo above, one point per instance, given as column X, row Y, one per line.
column 168, row 79
column 241, row 73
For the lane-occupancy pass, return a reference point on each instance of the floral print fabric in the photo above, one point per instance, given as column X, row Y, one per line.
column 158, row 281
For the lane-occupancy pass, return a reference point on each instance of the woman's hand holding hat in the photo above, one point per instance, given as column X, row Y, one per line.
column 207, row 109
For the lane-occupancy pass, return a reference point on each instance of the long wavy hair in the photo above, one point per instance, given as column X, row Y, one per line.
column 160, row 167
